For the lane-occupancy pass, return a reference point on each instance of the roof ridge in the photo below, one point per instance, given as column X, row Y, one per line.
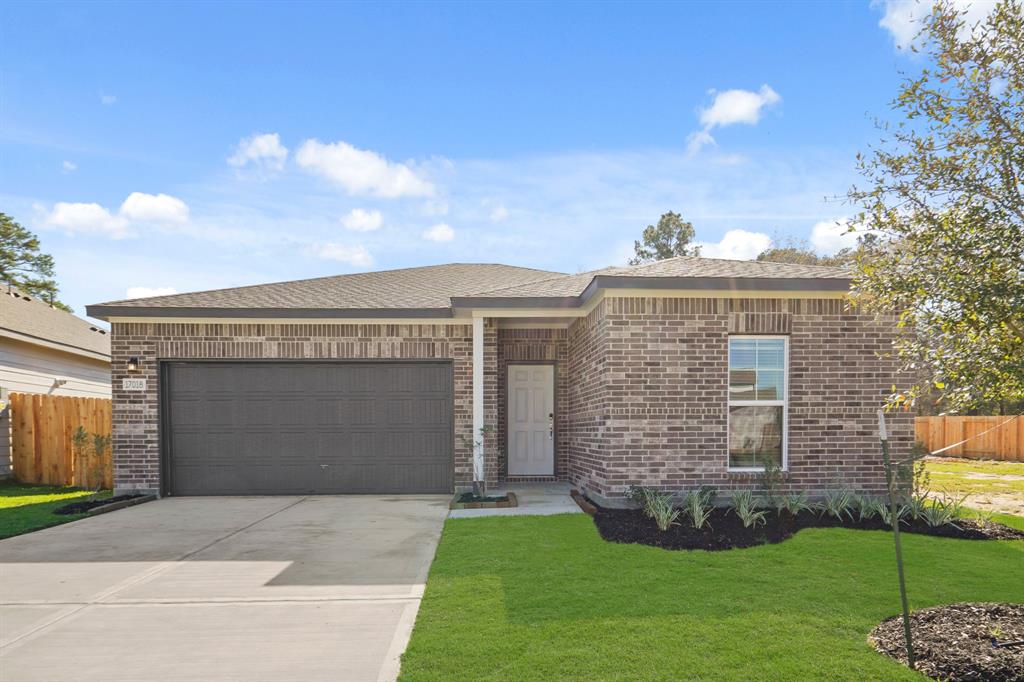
column 764, row 263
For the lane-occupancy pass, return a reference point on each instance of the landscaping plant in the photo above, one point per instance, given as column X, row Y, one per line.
column 793, row 504
column 838, row 503
column 659, row 507
column 698, row 505
column 745, row 508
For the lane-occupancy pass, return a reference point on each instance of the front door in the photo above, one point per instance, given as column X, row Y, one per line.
column 531, row 420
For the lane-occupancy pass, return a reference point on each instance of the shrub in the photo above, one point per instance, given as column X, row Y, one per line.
column 838, row 503
column 942, row 510
column 885, row 512
column 698, row 505
column 917, row 505
column 865, row 506
column 745, row 508
column 793, row 504
column 771, row 481
column 660, row 508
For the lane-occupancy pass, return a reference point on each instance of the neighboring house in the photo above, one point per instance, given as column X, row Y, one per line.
column 684, row 372
column 46, row 350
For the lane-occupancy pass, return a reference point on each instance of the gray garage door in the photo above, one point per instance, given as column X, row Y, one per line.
column 285, row 428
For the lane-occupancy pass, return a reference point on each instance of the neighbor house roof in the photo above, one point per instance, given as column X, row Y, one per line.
column 433, row 291
column 31, row 320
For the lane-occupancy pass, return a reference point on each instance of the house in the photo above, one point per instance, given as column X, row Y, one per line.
column 49, row 351
column 684, row 372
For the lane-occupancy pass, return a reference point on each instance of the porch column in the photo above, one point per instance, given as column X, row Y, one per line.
column 478, row 400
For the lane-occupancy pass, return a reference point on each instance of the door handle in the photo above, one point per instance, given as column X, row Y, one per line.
column 551, row 425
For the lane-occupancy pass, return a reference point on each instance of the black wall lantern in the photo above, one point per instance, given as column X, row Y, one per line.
column 133, row 364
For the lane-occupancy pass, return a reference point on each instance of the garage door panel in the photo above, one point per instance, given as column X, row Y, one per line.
column 297, row 428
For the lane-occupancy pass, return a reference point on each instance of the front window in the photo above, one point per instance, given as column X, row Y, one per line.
column 757, row 401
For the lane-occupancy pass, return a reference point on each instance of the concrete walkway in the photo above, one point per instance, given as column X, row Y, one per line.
column 541, row 499
column 251, row 588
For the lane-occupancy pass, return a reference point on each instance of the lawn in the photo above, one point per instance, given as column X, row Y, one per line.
column 538, row 597
column 991, row 485
column 24, row 508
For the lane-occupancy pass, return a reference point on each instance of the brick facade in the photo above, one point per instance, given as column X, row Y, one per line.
column 649, row 393
column 641, row 387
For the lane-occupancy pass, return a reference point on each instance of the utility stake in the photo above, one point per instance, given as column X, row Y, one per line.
column 893, row 510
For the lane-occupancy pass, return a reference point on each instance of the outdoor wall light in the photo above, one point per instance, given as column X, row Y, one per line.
column 133, row 364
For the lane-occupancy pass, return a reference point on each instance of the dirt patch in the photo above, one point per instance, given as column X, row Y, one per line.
column 955, row 642
column 88, row 505
column 724, row 530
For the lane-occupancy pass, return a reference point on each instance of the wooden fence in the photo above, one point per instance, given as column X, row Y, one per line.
column 41, row 447
column 986, row 437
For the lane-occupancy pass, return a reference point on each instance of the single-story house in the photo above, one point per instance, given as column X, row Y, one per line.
column 679, row 373
column 49, row 351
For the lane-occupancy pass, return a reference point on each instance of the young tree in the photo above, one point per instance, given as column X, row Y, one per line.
column 23, row 265
column 945, row 193
column 671, row 237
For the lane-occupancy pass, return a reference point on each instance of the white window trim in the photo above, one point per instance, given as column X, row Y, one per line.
column 759, row 403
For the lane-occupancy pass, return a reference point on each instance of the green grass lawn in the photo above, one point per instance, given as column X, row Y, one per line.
column 24, row 508
column 546, row 598
column 975, row 476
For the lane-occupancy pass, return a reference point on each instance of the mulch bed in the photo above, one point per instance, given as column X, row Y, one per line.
column 469, row 498
column 87, row 505
column 955, row 642
column 724, row 529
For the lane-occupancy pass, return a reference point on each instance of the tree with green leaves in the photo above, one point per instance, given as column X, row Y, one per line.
column 798, row 251
column 944, row 192
column 671, row 237
column 24, row 266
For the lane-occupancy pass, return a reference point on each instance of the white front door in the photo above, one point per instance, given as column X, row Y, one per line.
column 531, row 420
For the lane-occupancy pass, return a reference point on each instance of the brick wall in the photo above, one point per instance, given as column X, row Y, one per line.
column 654, row 412
column 535, row 345
column 135, row 414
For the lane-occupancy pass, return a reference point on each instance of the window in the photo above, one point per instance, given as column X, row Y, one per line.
column 757, row 401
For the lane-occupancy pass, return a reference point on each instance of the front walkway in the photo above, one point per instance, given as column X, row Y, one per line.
column 540, row 499
column 242, row 588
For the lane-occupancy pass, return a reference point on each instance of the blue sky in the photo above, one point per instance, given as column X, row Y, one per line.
column 158, row 147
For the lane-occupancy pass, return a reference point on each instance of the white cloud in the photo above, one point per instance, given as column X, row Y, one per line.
column 902, row 18
column 149, row 292
column 157, row 208
column 68, row 166
column 499, row 213
column 439, row 233
column 362, row 221
column 360, row 171
column 265, row 151
column 82, row 218
column 108, row 100
column 731, row 107
column 829, row 236
column 736, row 245
column 357, row 256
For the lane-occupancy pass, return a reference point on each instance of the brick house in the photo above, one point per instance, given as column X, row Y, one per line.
column 673, row 374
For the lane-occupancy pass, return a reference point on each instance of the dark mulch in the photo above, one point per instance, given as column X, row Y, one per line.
column 87, row 505
column 955, row 642
column 724, row 529
column 468, row 498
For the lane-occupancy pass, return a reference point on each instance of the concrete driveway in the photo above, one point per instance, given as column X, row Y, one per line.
column 242, row 588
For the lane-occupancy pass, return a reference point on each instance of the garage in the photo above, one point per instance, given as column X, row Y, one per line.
column 297, row 427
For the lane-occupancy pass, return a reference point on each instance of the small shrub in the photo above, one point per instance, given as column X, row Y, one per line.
column 865, row 506
column 771, row 481
column 698, row 505
column 940, row 512
column 839, row 503
column 660, row 508
column 917, row 505
column 885, row 512
column 745, row 508
column 793, row 504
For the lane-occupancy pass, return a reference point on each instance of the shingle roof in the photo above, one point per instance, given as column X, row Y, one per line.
column 681, row 266
column 28, row 319
column 427, row 287
column 431, row 289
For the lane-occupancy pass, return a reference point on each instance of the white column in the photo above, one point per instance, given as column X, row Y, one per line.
column 478, row 397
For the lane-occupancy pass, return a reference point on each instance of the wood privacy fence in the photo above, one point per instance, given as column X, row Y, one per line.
column 986, row 437
column 41, row 448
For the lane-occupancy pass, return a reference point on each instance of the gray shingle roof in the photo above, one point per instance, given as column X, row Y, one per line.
column 431, row 289
column 28, row 319
column 427, row 287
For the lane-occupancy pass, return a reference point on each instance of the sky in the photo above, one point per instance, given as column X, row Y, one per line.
column 159, row 148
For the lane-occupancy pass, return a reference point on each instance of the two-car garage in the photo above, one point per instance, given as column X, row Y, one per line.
column 306, row 427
